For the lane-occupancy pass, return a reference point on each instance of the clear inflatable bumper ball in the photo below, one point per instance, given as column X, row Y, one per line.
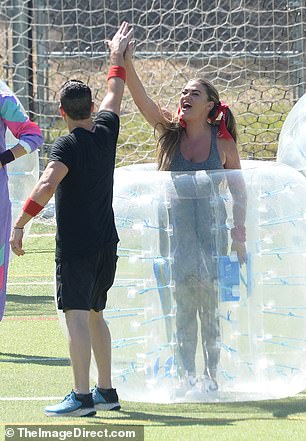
column 292, row 143
column 188, row 321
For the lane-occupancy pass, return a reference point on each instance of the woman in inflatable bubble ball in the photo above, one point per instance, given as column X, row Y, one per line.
column 195, row 140
column 29, row 136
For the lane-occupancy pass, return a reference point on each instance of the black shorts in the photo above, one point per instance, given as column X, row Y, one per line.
column 83, row 283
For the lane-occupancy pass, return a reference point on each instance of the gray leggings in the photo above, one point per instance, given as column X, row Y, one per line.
column 197, row 298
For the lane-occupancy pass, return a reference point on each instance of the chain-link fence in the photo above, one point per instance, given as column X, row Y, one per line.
column 252, row 50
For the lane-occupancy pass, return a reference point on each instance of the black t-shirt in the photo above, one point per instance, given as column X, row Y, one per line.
column 84, row 213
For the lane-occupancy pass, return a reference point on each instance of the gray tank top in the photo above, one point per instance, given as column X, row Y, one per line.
column 213, row 162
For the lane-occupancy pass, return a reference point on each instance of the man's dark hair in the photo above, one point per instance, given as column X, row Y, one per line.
column 75, row 98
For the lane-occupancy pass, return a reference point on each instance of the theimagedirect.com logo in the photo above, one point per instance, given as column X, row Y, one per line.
column 63, row 433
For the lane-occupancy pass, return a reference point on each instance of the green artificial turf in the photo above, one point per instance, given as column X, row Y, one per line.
column 35, row 371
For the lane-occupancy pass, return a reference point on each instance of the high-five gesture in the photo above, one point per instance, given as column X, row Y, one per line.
column 119, row 43
column 116, row 75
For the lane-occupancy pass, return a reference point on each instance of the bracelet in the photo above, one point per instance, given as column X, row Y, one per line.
column 117, row 71
column 238, row 233
column 31, row 207
column 6, row 157
column 18, row 228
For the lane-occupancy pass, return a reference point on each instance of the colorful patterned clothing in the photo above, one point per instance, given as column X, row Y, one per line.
column 14, row 118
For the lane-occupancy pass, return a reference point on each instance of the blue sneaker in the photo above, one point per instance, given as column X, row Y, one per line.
column 72, row 406
column 105, row 400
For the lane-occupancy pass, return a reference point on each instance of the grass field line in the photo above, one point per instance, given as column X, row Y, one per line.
column 28, row 275
column 30, row 398
column 24, row 318
column 29, row 283
column 41, row 235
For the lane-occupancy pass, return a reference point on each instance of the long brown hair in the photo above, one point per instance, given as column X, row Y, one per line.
column 172, row 130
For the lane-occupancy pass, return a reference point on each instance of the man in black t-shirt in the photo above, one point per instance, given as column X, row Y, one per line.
column 80, row 173
column 84, row 215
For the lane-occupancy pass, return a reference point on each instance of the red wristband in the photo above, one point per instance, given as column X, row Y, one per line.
column 117, row 71
column 31, row 207
column 238, row 233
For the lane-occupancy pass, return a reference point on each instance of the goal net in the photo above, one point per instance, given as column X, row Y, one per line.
column 252, row 51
